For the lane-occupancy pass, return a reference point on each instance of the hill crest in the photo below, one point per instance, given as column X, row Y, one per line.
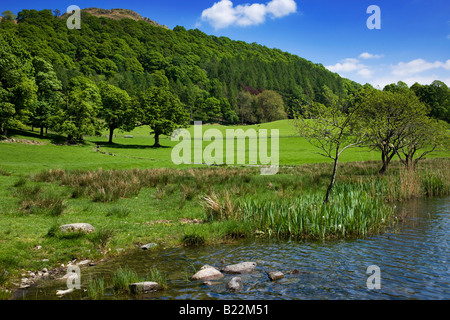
column 119, row 14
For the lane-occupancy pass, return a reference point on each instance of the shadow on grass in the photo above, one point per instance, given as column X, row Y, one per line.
column 52, row 137
column 128, row 146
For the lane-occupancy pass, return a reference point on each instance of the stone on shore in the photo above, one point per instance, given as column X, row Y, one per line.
column 149, row 246
column 83, row 263
column 207, row 273
column 244, row 267
column 77, row 227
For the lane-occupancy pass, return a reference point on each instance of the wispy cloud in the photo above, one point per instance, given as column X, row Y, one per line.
column 380, row 74
column 418, row 66
column 347, row 65
column 224, row 13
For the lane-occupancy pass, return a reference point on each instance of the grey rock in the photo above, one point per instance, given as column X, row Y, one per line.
column 143, row 287
column 207, row 273
column 77, row 227
column 64, row 292
column 149, row 246
column 235, row 284
column 244, row 267
column 275, row 275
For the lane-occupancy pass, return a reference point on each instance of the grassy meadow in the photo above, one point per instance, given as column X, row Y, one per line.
column 133, row 194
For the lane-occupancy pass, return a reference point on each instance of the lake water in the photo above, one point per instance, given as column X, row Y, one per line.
column 413, row 259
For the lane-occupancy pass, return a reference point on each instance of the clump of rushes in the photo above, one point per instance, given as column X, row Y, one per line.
column 101, row 238
column 5, row 294
column 34, row 201
column 96, row 289
column 157, row 276
column 219, row 209
column 119, row 212
column 20, row 183
column 4, row 173
column 122, row 278
column 3, row 277
column 193, row 239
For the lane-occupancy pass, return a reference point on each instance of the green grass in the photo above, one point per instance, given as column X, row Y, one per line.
column 137, row 153
column 139, row 196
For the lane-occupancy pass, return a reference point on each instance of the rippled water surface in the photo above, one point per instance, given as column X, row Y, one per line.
column 413, row 259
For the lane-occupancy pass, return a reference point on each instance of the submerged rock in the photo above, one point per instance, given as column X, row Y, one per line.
column 275, row 275
column 207, row 273
column 244, row 267
column 235, row 284
column 144, row 287
column 77, row 227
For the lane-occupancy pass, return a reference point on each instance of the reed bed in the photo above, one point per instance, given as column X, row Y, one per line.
column 96, row 289
column 351, row 213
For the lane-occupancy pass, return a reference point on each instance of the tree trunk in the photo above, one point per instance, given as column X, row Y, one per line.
column 156, row 145
column 111, row 134
column 42, row 132
column 385, row 159
column 333, row 179
column 70, row 139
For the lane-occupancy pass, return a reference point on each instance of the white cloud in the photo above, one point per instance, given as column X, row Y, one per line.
column 224, row 14
column 417, row 66
column 347, row 65
column 281, row 8
column 380, row 75
column 366, row 55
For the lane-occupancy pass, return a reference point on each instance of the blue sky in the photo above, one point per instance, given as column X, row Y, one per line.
column 412, row 45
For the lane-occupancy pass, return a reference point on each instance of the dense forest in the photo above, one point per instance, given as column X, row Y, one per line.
column 54, row 77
